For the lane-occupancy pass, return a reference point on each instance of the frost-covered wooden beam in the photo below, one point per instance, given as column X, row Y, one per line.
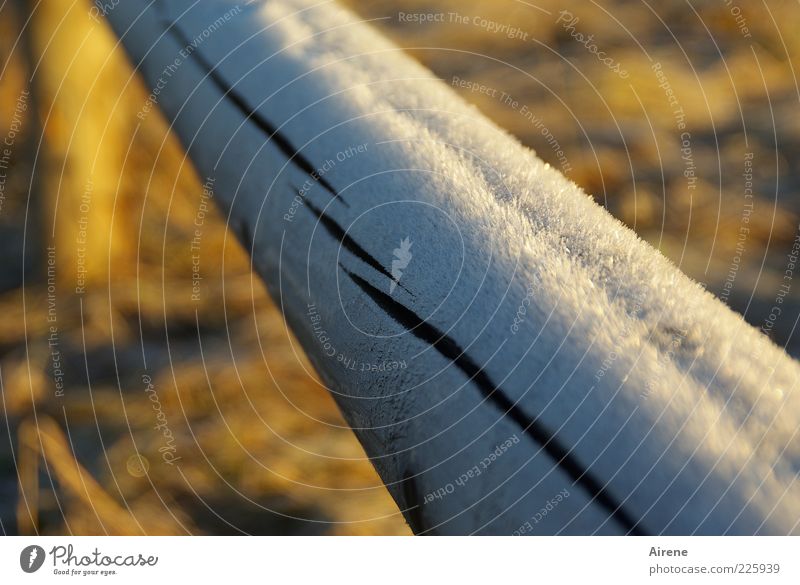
column 511, row 357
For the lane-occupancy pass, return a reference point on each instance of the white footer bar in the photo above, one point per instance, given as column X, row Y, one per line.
column 399, row 560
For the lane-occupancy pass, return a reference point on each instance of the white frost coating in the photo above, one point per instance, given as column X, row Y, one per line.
column 679, row 412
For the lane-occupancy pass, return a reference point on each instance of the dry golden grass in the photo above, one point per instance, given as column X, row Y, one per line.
column 262, row 446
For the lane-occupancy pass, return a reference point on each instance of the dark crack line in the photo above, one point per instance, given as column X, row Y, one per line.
column 410, row 320
column 249, row 113
column 339, row 234
column 531, row 426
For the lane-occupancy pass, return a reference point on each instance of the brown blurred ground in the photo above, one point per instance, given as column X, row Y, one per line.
column 262, row 447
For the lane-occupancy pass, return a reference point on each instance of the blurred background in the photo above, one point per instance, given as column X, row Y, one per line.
column 129, row 411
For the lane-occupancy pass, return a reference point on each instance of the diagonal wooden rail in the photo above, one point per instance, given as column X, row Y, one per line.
column 512, row 358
